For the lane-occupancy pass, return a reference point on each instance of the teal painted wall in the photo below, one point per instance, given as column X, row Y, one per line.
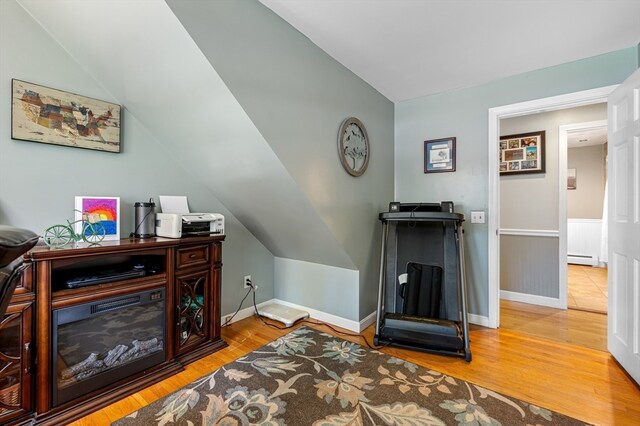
column 297, row 96
column 38, row 182
column 463, row 114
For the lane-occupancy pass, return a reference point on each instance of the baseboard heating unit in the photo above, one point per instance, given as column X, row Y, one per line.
column 284, row 314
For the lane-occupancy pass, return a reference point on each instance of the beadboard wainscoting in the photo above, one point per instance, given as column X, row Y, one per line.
column 584, row 237
column 529, row 265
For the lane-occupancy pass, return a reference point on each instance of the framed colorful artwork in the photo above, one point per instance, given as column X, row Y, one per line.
column 440, row 155
column 105, row 210
column 46, row 115
column 522, row 153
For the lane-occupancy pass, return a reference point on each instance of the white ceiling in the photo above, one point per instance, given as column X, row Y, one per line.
column 582, row 138
column 411, row 48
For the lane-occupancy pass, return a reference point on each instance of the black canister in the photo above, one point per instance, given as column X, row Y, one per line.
column 145, row 219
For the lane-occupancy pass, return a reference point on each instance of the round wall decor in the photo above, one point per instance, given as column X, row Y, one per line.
column 353, row 146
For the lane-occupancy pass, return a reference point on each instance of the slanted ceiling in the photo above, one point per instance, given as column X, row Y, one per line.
column 141, row 54
column 410, row 48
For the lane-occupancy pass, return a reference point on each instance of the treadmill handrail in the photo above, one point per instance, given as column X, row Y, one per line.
column 420, row 216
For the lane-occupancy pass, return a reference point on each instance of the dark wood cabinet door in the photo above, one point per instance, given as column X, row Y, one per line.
column 15, row 361
column 193, row 310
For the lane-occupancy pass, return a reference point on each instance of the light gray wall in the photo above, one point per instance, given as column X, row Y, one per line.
column 38, row 182
column 297, row 96
column 463, row 114
column 531, row 201
column 527, row 263
column 586, row 201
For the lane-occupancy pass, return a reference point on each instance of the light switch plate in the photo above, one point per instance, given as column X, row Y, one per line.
column 477, row 216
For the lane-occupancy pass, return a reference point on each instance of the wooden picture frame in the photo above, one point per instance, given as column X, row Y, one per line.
column 440, row 155
column 522, row 153
column 353, row 146
column 51, row 116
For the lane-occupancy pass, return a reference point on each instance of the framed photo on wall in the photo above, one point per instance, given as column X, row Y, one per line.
column 522, row 153
column 440, row 155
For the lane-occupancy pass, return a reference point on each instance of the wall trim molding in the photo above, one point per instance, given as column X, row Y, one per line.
column 530, row 232
column 367, row 321
column 244, row 313
column 581, row 220
column 348, row 324
column 478, row 320
column 531, row 299
column 351, row 325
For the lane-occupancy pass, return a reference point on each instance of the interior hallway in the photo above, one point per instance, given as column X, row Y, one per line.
column 587, row 288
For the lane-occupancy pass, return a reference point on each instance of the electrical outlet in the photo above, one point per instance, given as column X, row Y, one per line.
column 477, row 216
column 227, row 319
column 247, row 281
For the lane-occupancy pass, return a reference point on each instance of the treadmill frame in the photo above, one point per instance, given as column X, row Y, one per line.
column 415, row 216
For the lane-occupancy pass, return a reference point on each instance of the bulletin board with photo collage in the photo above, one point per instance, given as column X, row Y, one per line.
column 522, row 153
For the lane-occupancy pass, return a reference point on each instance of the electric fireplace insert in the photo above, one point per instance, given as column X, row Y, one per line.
column 99, row 343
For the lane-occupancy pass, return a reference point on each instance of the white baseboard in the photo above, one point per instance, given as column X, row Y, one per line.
column 350, row 325
column 355, row 326
column 367, row 321
column 478, row 320
column 582, row 260
column 530, row 298
column 244, row 313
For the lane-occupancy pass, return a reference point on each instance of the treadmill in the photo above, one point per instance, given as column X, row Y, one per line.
column 422, row 296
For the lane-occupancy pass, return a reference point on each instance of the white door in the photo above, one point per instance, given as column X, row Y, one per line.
column 624, row 225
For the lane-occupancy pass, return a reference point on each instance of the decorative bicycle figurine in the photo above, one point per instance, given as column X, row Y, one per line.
column 93, row 231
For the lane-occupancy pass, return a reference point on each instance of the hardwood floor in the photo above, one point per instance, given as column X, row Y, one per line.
column 578, row 327
column 583, row 383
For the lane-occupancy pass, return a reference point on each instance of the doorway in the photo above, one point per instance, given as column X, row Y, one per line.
column 534, row 296
column 587, row 97
column 586, row 198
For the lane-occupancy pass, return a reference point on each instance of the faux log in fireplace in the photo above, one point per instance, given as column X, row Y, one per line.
column 98, row 343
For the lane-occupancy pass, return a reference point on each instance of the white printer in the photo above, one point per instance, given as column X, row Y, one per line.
column 177, row 225
column 176, row 221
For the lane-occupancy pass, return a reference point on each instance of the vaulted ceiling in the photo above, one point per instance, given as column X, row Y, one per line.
column 143, row 56
column 411, row 48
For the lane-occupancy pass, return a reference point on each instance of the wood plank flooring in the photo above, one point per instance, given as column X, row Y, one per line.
column 582, row 328
column 583, row 383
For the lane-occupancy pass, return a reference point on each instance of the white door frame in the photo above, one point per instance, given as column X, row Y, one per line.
column 563, row 136
column 569, row 100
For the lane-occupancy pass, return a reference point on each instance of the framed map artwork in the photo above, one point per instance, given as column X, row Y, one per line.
column 42, row 114
column 522, row 153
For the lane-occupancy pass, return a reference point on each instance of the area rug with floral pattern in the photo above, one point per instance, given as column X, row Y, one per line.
column 312, row 378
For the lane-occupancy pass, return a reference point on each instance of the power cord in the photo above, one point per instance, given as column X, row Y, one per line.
column 306, row 321
column 228, row 321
